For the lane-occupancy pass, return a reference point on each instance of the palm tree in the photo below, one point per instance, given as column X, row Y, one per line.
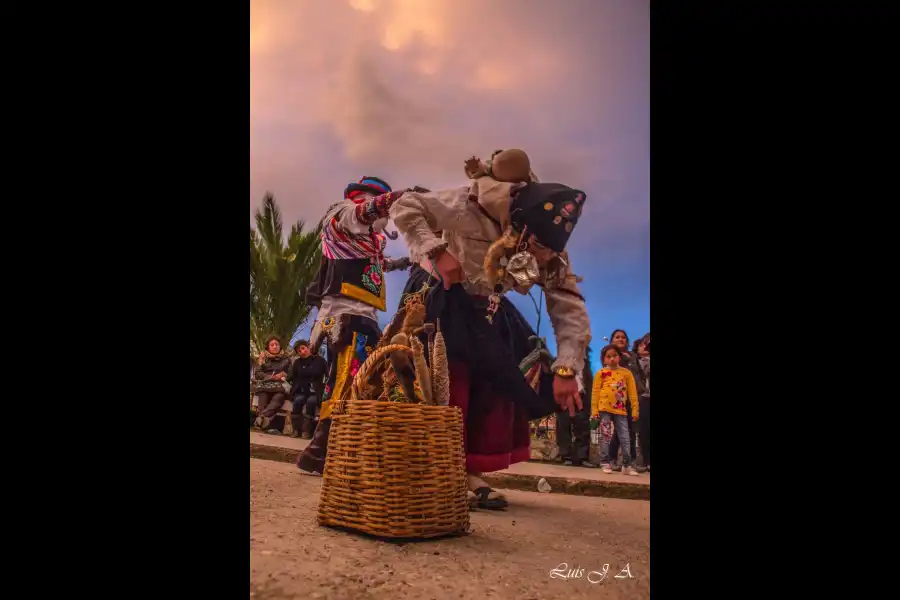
column 280, row 272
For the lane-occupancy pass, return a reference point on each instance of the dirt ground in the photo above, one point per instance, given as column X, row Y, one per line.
column 509, row 554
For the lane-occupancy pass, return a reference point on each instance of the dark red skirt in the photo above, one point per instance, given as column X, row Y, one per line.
column 496, row 429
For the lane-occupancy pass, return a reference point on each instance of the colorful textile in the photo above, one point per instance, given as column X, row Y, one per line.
column 337, row 245
column 366, row 185
column 373, row 278
column 349, row 360
column 376, row 208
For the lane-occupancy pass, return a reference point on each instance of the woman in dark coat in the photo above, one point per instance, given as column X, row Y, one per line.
column 271, row 373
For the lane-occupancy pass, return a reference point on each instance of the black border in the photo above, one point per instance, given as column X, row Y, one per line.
column 127, row 136
column 760, row 126
column 737, row 151
column 163, row 188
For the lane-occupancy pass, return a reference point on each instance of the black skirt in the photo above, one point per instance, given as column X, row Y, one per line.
column 492, row 351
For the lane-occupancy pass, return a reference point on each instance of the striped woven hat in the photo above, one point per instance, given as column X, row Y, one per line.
column 367, row 185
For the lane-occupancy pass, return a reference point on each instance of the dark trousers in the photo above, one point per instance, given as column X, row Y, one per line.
column 303, row 414
column 644, row 428
column 270, row 403
column 632, row 431
column 573, row 434
column 305, row 403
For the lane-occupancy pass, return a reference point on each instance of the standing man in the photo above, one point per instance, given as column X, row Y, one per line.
column 573, row 434
column 349, row 292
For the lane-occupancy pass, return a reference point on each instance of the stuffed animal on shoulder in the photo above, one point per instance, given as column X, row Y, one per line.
column 508, row 166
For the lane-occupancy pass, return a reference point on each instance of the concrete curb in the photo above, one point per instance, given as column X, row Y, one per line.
column 505, row 481
column 572, row 487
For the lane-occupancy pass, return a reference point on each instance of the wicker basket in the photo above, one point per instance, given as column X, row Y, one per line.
column 393, row 469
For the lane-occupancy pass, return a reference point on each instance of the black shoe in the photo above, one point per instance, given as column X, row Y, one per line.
column 313, row 458
column 617, row 468
column 588, row 465
column 296, row 426
column 569, row 463
column 306, row 430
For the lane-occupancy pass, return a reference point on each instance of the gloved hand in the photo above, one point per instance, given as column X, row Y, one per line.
column 401, row 264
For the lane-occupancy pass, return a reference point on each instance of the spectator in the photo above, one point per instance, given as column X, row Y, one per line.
column 620, row 340
column 613, row 386
column 306, row 379
column 644, row 438
column 270, row 375
column 573, row 434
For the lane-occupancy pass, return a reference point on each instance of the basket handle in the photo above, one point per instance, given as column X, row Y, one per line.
column 362, row 377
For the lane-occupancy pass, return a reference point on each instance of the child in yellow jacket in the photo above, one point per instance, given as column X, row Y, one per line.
column 612, row 387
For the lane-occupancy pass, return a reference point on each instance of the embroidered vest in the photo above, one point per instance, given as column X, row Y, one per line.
column 360, row 279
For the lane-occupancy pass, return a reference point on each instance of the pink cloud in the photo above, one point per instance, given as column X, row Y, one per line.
column 407, row 89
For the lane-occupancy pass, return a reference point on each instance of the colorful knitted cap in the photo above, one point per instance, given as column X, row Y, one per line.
column 367, row 185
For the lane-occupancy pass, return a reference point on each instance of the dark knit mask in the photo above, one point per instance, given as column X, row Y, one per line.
column 550, row 211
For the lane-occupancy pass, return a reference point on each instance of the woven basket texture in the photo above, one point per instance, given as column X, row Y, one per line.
column 394, row 469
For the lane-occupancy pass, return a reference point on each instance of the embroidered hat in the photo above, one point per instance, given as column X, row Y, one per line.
column 549, row 210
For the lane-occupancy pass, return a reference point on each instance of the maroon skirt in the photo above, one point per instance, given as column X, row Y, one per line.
column 495, row 429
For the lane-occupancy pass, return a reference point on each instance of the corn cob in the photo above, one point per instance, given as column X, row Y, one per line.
column 422, row 372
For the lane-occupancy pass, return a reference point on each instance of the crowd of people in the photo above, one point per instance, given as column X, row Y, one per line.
column 609, row 412
column 278, row 376
column 608, row 418
column 620, row 404
column 469, row 246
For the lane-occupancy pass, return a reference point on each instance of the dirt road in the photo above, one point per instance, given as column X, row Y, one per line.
column 508, row 554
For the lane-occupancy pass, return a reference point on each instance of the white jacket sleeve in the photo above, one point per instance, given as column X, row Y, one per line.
column 569, row 317
column 418, row 215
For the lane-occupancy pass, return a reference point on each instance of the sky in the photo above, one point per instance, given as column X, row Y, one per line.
column 406, row 90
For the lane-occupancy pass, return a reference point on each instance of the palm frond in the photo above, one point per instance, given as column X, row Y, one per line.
column 280, row 273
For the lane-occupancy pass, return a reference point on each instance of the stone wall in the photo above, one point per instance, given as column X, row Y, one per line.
column 546, row 449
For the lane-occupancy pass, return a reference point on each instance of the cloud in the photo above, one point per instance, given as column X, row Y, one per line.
column 407, row 89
